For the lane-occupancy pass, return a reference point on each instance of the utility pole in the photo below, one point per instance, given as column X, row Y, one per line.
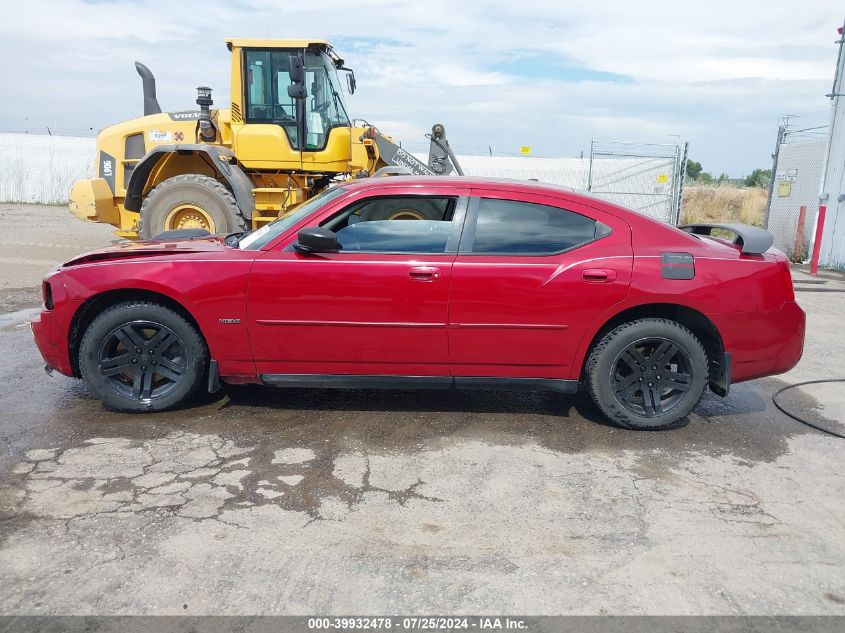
column 832, row 194
column 775, row 156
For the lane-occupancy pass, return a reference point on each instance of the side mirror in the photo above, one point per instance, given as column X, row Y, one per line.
column 296, row 91
column 297, row 68
column 315, row 239
column 350, row 80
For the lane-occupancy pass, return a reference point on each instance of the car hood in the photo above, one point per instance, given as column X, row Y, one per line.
column 151, row 248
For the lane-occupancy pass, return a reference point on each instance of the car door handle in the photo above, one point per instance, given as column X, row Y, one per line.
column 598, row 275
column 424, row 273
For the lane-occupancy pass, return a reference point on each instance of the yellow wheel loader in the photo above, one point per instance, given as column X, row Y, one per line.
column 285, row 137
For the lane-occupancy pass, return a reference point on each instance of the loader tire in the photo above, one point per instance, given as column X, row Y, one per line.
column 402, row 210
column 190, row 201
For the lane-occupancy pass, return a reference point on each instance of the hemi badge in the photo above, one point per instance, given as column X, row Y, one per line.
column 230, row 321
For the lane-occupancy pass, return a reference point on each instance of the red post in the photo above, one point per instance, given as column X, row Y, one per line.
column 799, row 234
column 817, row 243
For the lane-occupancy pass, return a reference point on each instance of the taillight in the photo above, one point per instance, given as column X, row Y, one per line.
column 47, row 294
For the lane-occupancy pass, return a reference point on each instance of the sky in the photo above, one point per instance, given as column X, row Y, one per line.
column 499, row 74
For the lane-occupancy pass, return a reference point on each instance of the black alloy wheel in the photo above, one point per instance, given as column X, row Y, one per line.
column 647, row 374
column 142, row 360
column 142, row 356
column 651, row 377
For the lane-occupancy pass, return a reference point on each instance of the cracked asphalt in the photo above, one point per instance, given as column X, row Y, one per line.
column 262, row 501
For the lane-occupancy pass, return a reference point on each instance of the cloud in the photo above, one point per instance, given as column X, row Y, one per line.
column 552, row 75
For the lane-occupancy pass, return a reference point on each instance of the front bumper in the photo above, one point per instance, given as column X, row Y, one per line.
column 50, row 343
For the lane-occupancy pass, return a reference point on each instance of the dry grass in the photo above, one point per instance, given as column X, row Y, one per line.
column 724, row 204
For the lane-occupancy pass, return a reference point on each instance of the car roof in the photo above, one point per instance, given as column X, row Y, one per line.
column 477, row 182
column 480, row 182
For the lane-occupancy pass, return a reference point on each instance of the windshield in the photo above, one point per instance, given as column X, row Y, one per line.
column 268, row 78
column 324, row 108
column 257, row 239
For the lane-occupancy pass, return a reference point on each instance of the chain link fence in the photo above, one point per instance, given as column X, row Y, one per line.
column 40, row 169
column 568, row 172
column 797, row 170
column 645, row 177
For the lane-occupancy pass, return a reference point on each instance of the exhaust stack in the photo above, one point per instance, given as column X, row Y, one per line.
column 151, row 105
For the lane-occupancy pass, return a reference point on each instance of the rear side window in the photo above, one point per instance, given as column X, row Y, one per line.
column 525, row 228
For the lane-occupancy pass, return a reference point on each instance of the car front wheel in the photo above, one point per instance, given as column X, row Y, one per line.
column 647, row 374
column 140, row 356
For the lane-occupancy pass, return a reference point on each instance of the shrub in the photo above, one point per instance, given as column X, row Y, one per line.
column 724, row 204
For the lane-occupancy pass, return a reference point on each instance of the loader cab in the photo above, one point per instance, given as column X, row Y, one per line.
column 271, row 77
column 288, row 110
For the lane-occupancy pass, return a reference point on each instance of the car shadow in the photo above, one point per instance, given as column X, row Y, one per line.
column 745, row 425
column 410, row 400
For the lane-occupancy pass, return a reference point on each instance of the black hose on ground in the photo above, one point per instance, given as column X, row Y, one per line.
column 799, row 418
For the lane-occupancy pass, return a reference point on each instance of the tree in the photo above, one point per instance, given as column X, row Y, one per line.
column 693, row 170
column 759, row 178
column 705, row 177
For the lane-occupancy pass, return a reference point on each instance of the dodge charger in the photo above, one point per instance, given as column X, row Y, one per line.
column 432, row 283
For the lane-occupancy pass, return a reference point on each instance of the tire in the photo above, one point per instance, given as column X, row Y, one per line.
column 190, row 190
column 623, row 382
column 168, row 344
column 389, row 209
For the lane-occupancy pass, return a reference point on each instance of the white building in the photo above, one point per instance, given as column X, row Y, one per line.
column 832, row 253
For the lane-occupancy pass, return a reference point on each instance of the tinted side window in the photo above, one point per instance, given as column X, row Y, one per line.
column 524, row 228
column 395, row 236
column 401, row 224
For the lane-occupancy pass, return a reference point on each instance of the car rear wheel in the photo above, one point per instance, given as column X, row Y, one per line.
column 647, row 374
column 190, row 201
column 139, row 356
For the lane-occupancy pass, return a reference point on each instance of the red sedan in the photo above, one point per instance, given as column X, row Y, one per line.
column 413, row 282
